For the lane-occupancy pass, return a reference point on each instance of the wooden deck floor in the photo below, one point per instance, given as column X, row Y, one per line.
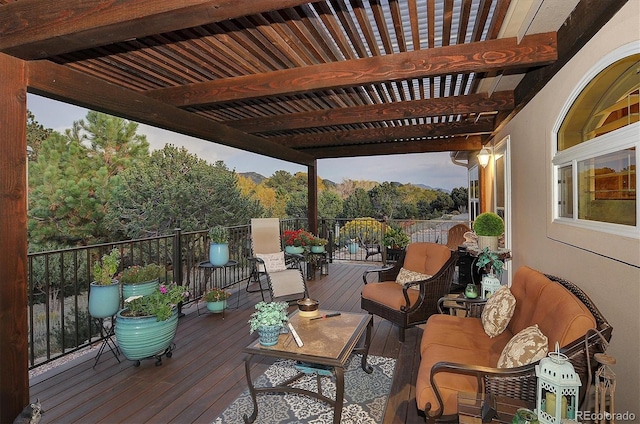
column 206, row 371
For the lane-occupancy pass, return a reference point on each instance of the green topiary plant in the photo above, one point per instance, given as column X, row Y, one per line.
column 488, row 224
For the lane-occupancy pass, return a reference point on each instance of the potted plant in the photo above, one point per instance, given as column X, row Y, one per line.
column 140, row 280
column 489, row 262
column 488, row 226
column 295, row 241
column 317, row 244
column 216, row 299
column 395, row 241
column 218, row 245
column 268, row 319
column 147, row 325
column 104, row 295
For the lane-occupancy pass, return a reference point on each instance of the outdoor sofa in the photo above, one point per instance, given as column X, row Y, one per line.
column 457, row 355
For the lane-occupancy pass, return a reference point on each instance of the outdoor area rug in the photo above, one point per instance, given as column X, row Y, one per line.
column 365, row 395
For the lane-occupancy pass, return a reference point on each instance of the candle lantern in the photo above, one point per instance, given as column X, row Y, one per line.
column 490, row 285
column 558, row 389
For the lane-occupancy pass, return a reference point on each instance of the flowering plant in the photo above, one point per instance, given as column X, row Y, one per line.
column 297, row 238
column 318, row 241
column 159, row 303
column 216, row 295
column 272, row 313
column 141, row 274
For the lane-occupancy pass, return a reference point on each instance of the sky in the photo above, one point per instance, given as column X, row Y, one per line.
column 431, row 169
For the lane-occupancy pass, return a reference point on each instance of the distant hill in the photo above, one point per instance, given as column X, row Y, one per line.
column 258, row 178
column 253, row 176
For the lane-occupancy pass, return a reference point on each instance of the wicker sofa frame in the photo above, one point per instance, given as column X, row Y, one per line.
column 521, row 382
column 431, row 290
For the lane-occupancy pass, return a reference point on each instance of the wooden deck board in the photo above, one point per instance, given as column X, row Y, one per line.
column 206, row 371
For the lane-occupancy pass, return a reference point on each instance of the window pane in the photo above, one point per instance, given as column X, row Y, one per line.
column 607, row 188
column 565, row 192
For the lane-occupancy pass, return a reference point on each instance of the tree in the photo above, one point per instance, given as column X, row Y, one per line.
column 460, row 197
column 329, row 204
column 385, row 199
column 72, row 178
column 176, row 189
column 357, row 205
column 297, row 206
column 69, row 193
column 36, row 135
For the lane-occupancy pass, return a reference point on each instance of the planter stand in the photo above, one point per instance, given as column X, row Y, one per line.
column 107, row 334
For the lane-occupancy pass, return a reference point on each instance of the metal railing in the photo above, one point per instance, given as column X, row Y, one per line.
column 59, row 280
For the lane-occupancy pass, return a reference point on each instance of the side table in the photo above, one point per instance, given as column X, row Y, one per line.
column 470, row 408
column 315, row 261
column 211, row 275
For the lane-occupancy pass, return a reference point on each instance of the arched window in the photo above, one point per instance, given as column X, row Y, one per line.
column 597, row 151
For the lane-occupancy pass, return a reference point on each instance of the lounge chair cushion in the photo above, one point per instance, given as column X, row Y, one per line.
column 498, row 311
column 528, row 346
column 274, row 262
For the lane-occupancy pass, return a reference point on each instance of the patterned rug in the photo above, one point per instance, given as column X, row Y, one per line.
column 365, row 395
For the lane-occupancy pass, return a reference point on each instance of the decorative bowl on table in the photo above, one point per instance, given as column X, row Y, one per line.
column 308, row 307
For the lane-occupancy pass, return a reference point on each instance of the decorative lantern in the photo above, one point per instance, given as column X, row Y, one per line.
column 605, row 388
column 558, row 389
column 490, row 285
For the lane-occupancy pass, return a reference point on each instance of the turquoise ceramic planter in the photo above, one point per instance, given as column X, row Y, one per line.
column 104, row 301
column 144, row 337
column 294, row 249
column 353, row 248
column 217, row 307
column 268, row 335
column 140, row 289
column 218, row 254
column 317, row 249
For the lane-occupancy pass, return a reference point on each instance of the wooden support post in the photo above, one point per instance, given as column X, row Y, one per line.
column 312, row 196
column 14, row 372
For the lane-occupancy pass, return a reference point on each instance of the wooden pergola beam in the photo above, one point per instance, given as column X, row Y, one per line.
column 470, row 143
column 35, row 29
column 454, row 105
column 387, row 134
column 63, row 83
column 485, row 56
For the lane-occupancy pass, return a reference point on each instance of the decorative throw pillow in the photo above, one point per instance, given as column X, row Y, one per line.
column 407, row 276
column 498, row 311
column 272, row 261
column 528, row 346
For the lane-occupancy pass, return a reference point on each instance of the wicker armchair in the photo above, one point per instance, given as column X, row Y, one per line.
column 521, row 382
column 411, row 303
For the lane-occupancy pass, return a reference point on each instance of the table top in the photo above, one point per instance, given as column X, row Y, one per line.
column 327, row 341
column 207, row 264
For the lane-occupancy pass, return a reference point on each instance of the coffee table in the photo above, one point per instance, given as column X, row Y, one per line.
column 327, row 342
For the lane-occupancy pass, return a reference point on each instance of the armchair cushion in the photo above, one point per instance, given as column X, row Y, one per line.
column 498, row 311
column 389, row 293
column 407, row 276
column 273, row 262
column 528, row 346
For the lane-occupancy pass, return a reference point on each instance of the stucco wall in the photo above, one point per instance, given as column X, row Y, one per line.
column 614, row 286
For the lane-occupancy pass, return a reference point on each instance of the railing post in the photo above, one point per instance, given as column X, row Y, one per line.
column 177, row 256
